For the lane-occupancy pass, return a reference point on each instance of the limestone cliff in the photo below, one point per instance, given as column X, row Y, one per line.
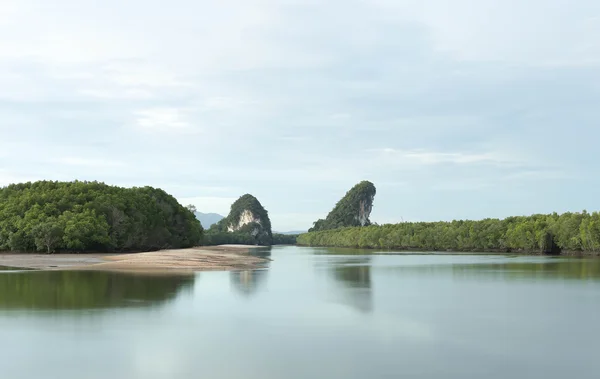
column 353, row 209
column 245, row 218
column 248, row 221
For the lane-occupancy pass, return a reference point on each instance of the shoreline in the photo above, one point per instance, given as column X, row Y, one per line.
column 202, row 258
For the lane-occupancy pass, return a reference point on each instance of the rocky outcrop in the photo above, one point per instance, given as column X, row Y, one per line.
column 247, row 217
column 354, row 209
column 248, row 221
column 365, row 207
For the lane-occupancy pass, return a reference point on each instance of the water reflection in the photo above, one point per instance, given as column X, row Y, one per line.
column 8, row 268
column 248, row 282
column 560, row 268
column 355, row 276
column 316, row 316
column 87, row 289
column 557, row 269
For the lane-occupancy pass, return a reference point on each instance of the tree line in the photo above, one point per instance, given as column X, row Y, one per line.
column 553, row 233
column 91, row 216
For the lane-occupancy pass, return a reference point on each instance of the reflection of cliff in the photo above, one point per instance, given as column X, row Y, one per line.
column 248, row 282
column 87, row 289
column 355, row 275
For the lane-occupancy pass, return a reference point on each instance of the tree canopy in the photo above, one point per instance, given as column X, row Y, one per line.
column 91, row 216
column 353, row 209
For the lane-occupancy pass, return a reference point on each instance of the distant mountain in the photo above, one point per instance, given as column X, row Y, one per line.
column 293, row 232
column 207, row 219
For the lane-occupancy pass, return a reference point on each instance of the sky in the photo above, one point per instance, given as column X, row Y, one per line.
column 453, row 109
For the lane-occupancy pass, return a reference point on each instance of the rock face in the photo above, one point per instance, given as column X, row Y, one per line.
column 353, row 209
column 365, row 207
column 248, row 220
column 247, row 217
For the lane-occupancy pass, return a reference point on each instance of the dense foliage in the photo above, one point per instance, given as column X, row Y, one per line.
column 234, row 229
column 538, row 233
column 91, row 216
column 352, row 210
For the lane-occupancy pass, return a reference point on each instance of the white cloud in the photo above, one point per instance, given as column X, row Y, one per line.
column 427, row 157
column 170, row 120
column 7, row 177
column 114, row 94
column 340, row 116
column 210, row 204
column 220, row 103
column 139, row 73
column 534, row 32
column 89, row 162
column 242, row 96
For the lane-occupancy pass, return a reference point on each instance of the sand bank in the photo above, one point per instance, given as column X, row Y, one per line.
column 211, row 258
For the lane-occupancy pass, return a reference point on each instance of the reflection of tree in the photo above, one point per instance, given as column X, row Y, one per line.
column 263, row 252
column 355, row 275
column 87, row 289
column 565, row 269
column 248, row 282
column 556, row 269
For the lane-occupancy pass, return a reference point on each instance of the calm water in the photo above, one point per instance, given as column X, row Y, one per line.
column 314, row 313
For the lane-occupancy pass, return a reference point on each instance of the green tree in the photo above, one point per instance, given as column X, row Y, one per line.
column 47, row 235
column 84, row 230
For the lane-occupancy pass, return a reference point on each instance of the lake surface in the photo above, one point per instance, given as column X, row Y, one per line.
column 313, row 313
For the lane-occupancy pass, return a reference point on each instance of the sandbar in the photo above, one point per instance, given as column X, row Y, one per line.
column 205, row 258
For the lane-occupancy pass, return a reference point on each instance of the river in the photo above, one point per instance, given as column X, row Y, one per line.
column 311, row 313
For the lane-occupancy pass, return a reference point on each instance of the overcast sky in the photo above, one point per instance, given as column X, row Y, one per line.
column 454, row 109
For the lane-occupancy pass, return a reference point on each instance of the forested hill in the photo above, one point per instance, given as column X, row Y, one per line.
column 90, row 216
column 569, row 232
column 353, row 209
